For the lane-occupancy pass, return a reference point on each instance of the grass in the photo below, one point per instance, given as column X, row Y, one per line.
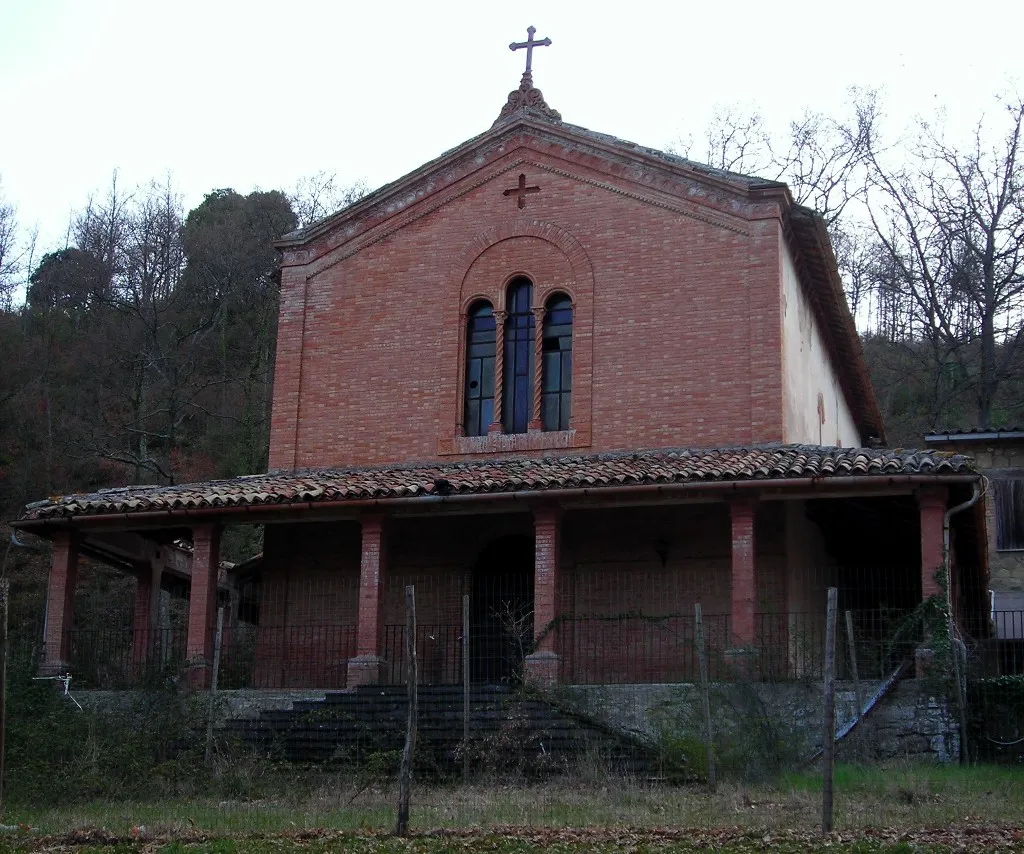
column 904, row 796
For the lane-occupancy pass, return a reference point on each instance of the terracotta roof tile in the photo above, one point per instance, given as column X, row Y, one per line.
column 773, row 462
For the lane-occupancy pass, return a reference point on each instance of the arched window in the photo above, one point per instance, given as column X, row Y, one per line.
column 556, row 368
column 480, row 344
column 517, row 374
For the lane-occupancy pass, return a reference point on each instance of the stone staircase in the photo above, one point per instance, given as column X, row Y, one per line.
column 509, row 731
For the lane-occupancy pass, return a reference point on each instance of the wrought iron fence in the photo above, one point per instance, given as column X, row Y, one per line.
column 310, row 656
column 623, row 649
column 251, row 656
column 637, row 649
column 438, row 654
column 996, row 644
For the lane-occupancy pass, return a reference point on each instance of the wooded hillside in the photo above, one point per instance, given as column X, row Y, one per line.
column 142, row 351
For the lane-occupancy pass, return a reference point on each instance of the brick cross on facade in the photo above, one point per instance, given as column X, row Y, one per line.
column 521, row 192
column 529, row 44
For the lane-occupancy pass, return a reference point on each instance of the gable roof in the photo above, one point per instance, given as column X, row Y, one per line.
column 805, row 229
column 765, row 465
column 537, row 124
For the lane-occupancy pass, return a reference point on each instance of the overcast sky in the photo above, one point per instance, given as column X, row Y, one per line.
column 258, row 94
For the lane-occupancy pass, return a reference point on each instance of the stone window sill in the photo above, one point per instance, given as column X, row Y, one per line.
column 497, row 443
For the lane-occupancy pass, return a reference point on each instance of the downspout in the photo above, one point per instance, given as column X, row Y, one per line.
column 956, row 645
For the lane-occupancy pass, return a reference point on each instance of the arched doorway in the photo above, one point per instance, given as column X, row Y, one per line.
column 501, row 610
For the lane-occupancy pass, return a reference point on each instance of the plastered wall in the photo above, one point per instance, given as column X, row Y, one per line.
column 814, row 407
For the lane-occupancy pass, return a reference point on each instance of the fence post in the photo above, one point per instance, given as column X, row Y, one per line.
column 958, row 675
column 5, row 590
column 465, row 686
column 217, row 639
column 829, row 726
column 702, row 657
column 854, row 672
column 405, row 772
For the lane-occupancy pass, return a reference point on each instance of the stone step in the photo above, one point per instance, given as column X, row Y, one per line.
column 352, row 724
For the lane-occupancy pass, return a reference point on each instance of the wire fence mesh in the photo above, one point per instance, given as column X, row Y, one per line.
column 624, row 703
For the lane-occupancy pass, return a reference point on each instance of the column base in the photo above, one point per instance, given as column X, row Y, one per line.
column 54, row 667
column 363, row 670
column 924, row 660
column 199, row 674
column 743, row 661
column 541, row 669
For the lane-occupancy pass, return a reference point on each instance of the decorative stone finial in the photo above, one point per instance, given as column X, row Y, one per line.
column 527, row 97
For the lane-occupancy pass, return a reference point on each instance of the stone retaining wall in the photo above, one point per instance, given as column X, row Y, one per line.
column 908, row 722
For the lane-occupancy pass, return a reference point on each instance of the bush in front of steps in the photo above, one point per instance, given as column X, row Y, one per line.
column 145, row 744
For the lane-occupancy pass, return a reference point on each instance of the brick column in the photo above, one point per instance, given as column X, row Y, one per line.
column 202, row 604
column 365, row 669
column 932, row 503
column 744, row 577
column 499, row 371
column 60, row 602
column 147, row 614
column 542, row 663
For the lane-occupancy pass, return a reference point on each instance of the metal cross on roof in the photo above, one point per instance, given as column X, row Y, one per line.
column 529, row 44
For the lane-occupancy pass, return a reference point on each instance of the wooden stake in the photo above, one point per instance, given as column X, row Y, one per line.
column 465, row 686
column 851, row 643
column 405, row 772
column 829, row 724
column 702, row 657
column 961, row 700
column 5, row 591
column 213, row 684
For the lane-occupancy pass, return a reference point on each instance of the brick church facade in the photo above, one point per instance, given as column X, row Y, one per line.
column 586, row 383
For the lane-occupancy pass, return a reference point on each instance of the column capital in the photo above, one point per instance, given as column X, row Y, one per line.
column 206, row 532
column 65, row 538
column 547, row 513
column 932, row 496
column 743, row 504
column 372, row 519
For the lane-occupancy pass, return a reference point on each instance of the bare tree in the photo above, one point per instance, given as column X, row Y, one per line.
column 10, row 257
column 322, row 194
column 950, row 221
column 819, row 156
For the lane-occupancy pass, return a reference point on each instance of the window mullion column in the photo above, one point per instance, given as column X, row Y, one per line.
column 499, row 370
column 536, row 423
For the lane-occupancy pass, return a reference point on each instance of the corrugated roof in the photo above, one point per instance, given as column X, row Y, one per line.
column 667, row 466
column 945, row 434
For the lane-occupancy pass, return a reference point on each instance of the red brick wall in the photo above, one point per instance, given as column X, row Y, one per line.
column 308, row 605
column 613, row 566
column 677, row 335
column 610, row 566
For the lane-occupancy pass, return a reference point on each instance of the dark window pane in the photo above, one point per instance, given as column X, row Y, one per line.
column 549, row 411
column 486, row 414
column 473, row 417
column 487, row 378
column 473, row 375
column 1009, row 500
column 480, row 348
column 517, row 395
column 551, row 373
column 556, row 373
